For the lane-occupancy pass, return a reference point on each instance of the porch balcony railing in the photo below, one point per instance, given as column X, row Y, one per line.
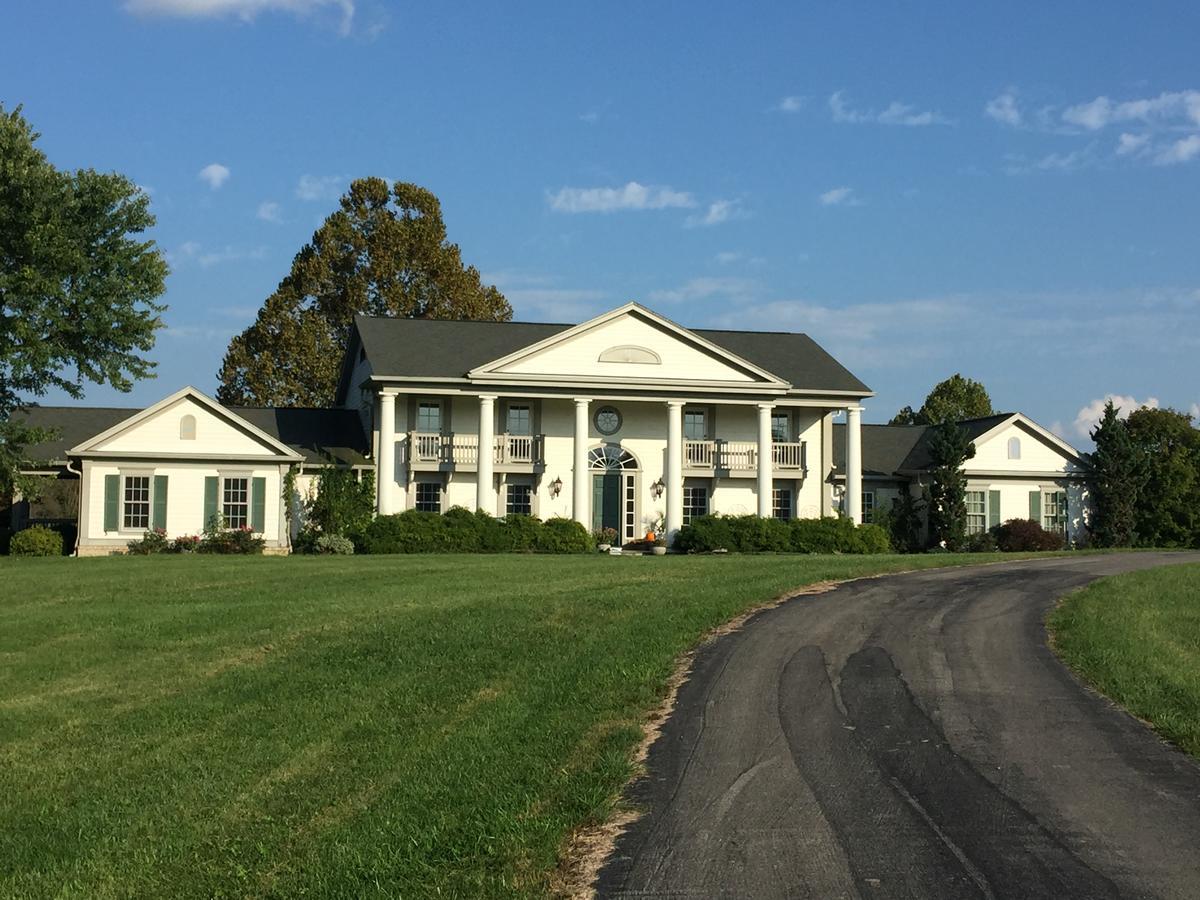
column 742, row 455
column 439, row 448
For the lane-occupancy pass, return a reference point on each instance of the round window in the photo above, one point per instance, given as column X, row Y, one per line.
column 608, row 420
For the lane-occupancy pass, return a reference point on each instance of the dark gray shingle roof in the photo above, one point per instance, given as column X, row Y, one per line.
column 318, row 434
column 446, row 348
column 887, row 449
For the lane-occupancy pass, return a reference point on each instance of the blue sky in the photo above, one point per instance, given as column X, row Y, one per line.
column 1007, row 192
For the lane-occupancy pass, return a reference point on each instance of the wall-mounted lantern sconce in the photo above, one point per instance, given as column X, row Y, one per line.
column 556, row 487
column 657, row 488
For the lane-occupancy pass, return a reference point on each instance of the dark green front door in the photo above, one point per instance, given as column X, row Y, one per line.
column 606, row 501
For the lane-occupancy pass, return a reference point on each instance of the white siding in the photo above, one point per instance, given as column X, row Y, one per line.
column 1036, row 454
column 160, row 434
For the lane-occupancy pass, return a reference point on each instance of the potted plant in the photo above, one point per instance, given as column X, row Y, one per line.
column 660, row 546
column 605, row 538
column 657, row 526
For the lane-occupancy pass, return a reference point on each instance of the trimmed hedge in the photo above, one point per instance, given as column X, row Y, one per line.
column 752, row 534
column 36, row 541
column 463, row 531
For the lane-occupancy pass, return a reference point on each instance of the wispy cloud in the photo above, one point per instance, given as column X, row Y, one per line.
column 320, row 187
column 214, row 175
column 269, row 211
column 839, row 196
column 896, row 113
column 1132, row 144
column 704, row 288
column 538, row 297
column 1180, row 151
column 791, row 104
column 1051, row 162
column 244, row 10
column 1090, row 414
column 195, row 252
column 1180, row 108
column 1004, row 109
column 631, row 196
column 718, row 212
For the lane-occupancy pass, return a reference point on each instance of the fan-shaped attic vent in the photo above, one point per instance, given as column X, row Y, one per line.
column 628, row 353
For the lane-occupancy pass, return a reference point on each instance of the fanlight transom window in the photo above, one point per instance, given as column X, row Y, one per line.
column 629, row 353
column 611, row 458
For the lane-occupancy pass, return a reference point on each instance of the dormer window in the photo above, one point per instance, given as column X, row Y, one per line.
column 1014, row 448
column 628, row 353
column 187, row 428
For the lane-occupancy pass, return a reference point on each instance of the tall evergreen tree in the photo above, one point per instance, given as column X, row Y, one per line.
column 1115, row 477
column 383, row 253
column 949, row 448
column 78, row 284
column 1167, row 513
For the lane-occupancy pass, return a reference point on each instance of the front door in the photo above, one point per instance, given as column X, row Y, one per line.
column 606, row 501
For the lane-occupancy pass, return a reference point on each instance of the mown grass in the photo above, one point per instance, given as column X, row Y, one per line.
column 338, row 727
column 1136, row 638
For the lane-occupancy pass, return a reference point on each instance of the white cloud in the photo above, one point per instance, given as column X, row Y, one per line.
column 245, row 10
column 792, row 104
column 839, row 196
column 896, row 113
column 1194, row 411
column 269, row 211
column 1169, row 107
column 718, row 212
column 1132, row 144
column 320, row 187
column 704, row 288
column 728, row 257
column 1087, row 417
column 215, row 174
column 539, row 298
column 193, row 251
column 1051, row 162
column 1180, row 151
column 629, row 196
column 1004, row 109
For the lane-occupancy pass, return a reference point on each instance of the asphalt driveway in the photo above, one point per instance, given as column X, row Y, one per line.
column 910, row 736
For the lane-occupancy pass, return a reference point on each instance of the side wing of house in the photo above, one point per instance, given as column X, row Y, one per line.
column 1022, row 471
column 175, row 466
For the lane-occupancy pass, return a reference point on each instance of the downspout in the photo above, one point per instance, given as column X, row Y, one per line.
column 78, row 508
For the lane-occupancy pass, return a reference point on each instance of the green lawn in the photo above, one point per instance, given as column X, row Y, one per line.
column 337, row 727
column 1136, row 638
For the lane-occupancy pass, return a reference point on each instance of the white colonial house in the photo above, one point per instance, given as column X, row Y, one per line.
column 622, row 422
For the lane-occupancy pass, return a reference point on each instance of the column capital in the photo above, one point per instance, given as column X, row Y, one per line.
column 488, row 397
column 765, row 405
column 674, row 403
column 389, row 392
column 854, row 408
column 582, row 401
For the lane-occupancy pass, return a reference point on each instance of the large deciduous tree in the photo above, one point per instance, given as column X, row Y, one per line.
column 383, row 252
column 77, row 285
column 1116, row 473
column 952, row 400
column 949, row 448
column 1167, row 512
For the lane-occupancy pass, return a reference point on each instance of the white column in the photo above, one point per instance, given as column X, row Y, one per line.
column 766, row 459
column 673, row 475
column 485, row 489
column 854, row 463
column 580, row 493
column 385, row 477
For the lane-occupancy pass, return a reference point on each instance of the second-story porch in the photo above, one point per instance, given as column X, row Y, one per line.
column 740, row 458
column 425, row 451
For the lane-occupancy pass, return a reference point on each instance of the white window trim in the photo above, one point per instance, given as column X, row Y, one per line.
column 222, row 477
column 134, row 473
column 441, row 484
column 440, row 403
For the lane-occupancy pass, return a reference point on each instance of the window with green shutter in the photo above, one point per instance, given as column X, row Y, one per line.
column 112, row 502
column 159, row 519
column 211, row 489
column 258, row 505
column 993, row 509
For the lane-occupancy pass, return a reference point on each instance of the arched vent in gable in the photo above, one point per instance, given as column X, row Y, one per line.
column 628, row 353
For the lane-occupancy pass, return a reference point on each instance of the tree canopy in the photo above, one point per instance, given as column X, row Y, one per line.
column 952, row 400
column 77, row 286
column 1115, row 477
column 383, row 252
column 949, row 448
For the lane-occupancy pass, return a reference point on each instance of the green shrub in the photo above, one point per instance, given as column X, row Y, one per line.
column 522, row 531
column 36, row 541
column 5, row 539
column 343, row 503
column 563, row 536
column 154, row 541
column 185, row 543
column 335, row 545
column 411, row 531
column 229, row 542
column 305, row 541
column 983, row 542
column 1024, row 535
column 752, row 534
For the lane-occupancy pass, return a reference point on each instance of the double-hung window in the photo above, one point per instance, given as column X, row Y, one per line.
column 428, row 496
column 519, row 500
column 781, row 503
column 1054, row 511
column 695, row 425
column 519, row 419
column 136, row 512
column 976, row 512
column 235, row 502
column 868, row 506
column 695, row 502
column 781, row 427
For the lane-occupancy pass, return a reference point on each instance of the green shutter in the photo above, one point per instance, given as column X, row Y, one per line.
column 993, row 509
column 1035, row 506
column 258, row 505
column 159, row 519
column 210, row 500
column 112, row 502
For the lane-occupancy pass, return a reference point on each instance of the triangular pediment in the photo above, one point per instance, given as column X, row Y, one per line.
column 187, row 423
column 628, row 345
column 1035, row 449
